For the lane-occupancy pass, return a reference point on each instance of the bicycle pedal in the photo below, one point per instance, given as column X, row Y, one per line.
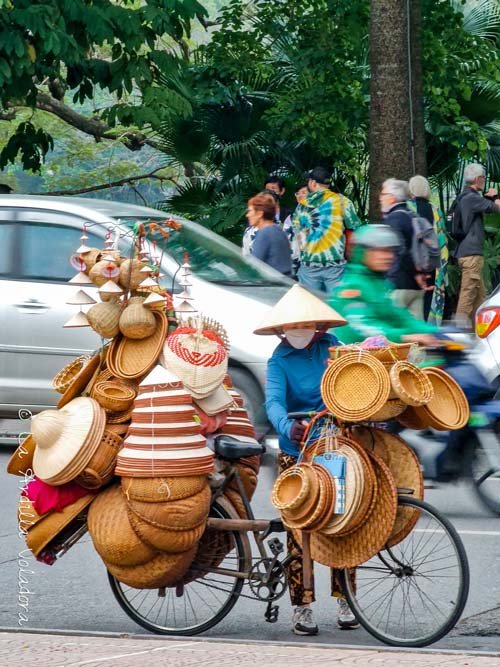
column 272, row 612
column 275, row 545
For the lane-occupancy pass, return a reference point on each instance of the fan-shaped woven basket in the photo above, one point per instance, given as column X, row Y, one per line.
column 162, row 489
column 182, row 514
column 355, row 386
column 113, row 537
column 164, row 570
column 66, row 375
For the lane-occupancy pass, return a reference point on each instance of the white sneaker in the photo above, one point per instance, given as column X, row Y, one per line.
column 346, row 619
column 303, row 623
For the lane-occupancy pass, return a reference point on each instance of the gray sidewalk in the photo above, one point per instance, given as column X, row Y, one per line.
column 52, row 650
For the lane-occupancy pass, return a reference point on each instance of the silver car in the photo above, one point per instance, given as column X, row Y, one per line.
column 38, row 235
column 487, row 347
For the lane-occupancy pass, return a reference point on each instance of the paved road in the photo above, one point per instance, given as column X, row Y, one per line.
column 74, row 594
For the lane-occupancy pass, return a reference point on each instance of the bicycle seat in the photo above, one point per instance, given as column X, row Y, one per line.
column 232, row 449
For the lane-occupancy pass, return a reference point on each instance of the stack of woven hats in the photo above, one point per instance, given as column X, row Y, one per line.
column 146, row 529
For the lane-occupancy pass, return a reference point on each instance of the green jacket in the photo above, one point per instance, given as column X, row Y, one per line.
column 363, row 298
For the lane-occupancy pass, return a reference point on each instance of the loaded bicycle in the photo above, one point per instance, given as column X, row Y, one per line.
column 410, row 593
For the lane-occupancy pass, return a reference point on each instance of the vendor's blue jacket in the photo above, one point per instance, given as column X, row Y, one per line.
column 293, row 385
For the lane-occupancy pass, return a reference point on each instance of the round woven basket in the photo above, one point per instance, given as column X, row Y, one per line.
column 81, row 380
column 405, row 469
column 414, row 418
column 304, row 511
column 387, row 355
column 410, row 384
column 164, row 570
column 324, row 511
column 100, row 469
column 117, row 429
column 182, row 514
column 137, row 322
column 355, row 386
column 317, row 509
column 113, row 537
column 130, row 273
column 66, row 375
column 170, row 541
column 448, row 410
column 391, row 409
column 119, row 417
column 360, row 545
column 162, row 489
column 104, row 318
column 99, row 275
column 114, row 396
column 292, row 488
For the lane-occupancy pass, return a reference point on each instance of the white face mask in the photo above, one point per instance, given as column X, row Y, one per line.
column 299, row 338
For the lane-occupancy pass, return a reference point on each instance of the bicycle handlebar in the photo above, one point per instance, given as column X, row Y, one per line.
column 302, row 415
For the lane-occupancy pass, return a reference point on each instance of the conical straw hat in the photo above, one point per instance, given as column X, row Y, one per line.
column 299, row 308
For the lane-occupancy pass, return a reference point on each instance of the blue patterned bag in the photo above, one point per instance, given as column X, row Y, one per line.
column 336, row 466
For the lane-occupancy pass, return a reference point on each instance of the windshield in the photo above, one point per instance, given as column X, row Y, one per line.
column 212, row 257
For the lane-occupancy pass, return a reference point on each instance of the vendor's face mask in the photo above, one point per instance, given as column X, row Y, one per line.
column 299, row 338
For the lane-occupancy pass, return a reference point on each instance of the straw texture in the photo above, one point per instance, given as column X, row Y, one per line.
column 66, row 375
column 162, row 539
column 449, row 408
column 164, row 570
column 410, row 384
column 162, row 489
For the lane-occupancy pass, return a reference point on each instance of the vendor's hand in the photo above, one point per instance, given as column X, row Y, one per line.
column 492, row 193
column 421, row 280
column 298, row 430
column 423, row 339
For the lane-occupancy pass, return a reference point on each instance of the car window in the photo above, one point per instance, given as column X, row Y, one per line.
column 6, row 247
column 45, row 249
column 212, row 257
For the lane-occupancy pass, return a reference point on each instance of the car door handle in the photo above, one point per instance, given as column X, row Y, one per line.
column 32, row 305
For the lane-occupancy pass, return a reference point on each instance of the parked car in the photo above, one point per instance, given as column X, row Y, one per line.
column 37, row 237
column 488, row 338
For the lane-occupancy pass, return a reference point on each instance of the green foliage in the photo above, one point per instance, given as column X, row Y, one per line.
column 62, row 42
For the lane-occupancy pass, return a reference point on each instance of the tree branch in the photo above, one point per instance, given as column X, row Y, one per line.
column 111, row 184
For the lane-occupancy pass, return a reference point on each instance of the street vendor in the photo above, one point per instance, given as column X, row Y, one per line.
column 294, row 375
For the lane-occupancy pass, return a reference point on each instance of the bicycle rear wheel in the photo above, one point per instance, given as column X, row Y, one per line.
column 413, row 593
column 204, row 597
column 482, row 463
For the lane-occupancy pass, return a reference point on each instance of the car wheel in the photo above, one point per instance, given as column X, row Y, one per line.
column 253, row 398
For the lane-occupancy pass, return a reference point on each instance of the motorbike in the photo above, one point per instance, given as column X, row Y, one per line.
column 474, row 451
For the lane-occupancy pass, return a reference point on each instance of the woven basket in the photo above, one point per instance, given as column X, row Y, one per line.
column 162, row 489
column 99, row 471
column 91, row 257
column 117, row 429
column 387, row 355
column 80, row 381
column 114, row 396
column 410, row 384
column 448, row 410
column 318, row 504
column 248, row 478
column 104, row 318
column 119, row 417
column 355, row 386
column 174, row 515
column 131, row 359
column 99, row 275
column 292, row 487
column 66, row 375
column 130, row 274
column 359, row 546
column 164, row 570
column 391, row 409
column 414, row 418
column 111, row 532
column 326, row 504
column 137, row 322
column 170, row 541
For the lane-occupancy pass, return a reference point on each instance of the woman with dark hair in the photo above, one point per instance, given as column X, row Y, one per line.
column 270, row 244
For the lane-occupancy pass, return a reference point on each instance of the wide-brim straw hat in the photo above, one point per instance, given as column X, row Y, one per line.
column 113, row 537
column 164, row 570
column 347, row 551
column 410, row 384
column 405, row 469
column 21, row 461
column 355, row 386
column 51, row 525
column 66, row 439
column 129, row 358
column 299, row 308
column 448, row 409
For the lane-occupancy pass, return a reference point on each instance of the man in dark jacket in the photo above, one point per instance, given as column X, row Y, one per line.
column 471, row 207
column 409, row 284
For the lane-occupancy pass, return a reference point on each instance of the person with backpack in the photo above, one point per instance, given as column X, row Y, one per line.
column 467, row 229
column 419, row 254
column 363, row 296
column 434, row 301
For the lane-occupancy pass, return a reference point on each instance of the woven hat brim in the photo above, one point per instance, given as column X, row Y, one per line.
column 298, row 308
column 21, row 460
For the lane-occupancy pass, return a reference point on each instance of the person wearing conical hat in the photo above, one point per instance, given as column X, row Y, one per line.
column 294, row 374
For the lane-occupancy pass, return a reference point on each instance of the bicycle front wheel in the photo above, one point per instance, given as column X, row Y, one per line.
column 208, row 592
column 413, row 593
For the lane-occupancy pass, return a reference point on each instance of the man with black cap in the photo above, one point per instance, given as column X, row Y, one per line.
column 320, row 221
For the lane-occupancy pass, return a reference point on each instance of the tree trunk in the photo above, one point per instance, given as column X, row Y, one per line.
column 397, row 138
